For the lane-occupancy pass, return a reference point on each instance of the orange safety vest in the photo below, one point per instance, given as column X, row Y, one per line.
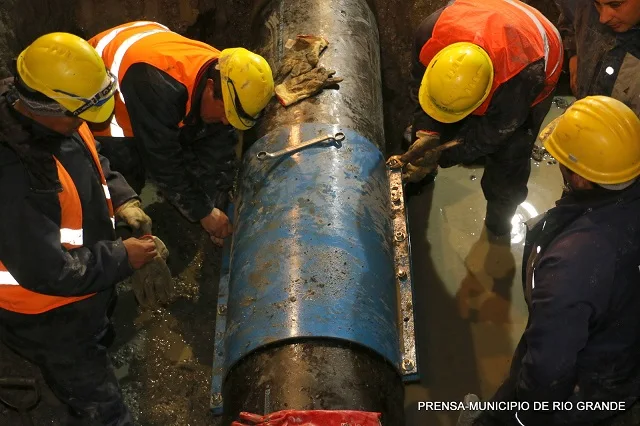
column 14, row 297
column 513, row 33
column 153, row 44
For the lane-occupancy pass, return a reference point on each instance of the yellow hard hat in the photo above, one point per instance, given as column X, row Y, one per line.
column 247, row 86
column 456, row 82
column 66, row 69
column 598, row 138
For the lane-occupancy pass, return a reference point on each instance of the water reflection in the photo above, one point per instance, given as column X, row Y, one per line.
column 524, row 212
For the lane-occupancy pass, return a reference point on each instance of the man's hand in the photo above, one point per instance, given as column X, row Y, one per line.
column 140, row 252
column 217, row 225
column 153, row 284
column 418, row 171
column 131, row 212
column 421, row 158
column 573, row 74
column 427, row 141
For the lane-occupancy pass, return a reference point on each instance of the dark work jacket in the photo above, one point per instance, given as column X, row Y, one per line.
column 481, row 135
column 30, row 216
column 582, row 286
column 156, row 103
column 608, row 62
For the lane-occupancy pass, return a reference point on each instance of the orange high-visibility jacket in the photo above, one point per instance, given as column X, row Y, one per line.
column 513, row 33
column 14, row 297
column 153, row 44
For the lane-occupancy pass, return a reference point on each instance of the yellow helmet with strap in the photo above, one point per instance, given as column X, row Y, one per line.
column 598, row 138
column 66, row 69
column 456, row 82
column 247, row 86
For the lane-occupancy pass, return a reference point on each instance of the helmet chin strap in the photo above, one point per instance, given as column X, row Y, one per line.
column 39, row 107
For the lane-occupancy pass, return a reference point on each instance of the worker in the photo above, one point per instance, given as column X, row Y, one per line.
column 580, row 279
column 176, row 100
column 59, row 257
column 602, row 42
column 484, row 76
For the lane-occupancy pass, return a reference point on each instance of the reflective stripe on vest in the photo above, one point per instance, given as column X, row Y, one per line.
column 513, row 33
column 16, row 298
column 543, row 34
column 122, row 46
column 115, row 129
column 5, row 277
column 113, row 33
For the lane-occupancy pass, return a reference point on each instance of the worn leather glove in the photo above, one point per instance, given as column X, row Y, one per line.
column 303, row 56
column 131, row 212
column 309, row 417
column 152, row 284
column 422, row 156
column 469, row 416
column 427, row 141
column 305, row 85
column 418, row 170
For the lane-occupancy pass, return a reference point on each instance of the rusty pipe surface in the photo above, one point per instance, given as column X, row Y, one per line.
column 353, row 51
column 312, row 306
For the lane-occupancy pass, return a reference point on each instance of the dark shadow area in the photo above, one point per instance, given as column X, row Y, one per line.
column 444, row 341
column 494, row 259
column 49, row 410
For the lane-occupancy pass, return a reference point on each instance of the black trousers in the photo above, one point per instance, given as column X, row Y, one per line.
column 69, row 345
column 507, row 171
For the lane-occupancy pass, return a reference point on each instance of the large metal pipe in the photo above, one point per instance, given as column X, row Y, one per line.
column 312, row 318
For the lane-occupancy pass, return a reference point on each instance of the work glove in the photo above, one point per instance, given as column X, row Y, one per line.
column 152, row 284
column 305, row 85
column 303, row 56
column 469, row 416
column 422, row 156
column 427, row 141
column 310, row 417
column 418, row 170
column 131, row 212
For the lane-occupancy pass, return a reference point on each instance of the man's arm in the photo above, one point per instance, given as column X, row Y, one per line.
column 570, row 284
column 30, row 246
column 215, row 149
column 119, row 189
column 565, row 25
column 509, row 109
column 156, row 104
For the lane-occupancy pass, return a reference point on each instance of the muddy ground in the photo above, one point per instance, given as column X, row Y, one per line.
column 163, row 358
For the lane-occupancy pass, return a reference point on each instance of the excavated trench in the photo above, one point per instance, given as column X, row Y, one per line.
column 163, row 359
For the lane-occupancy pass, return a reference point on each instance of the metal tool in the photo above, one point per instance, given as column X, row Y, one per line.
column 395, row 162
column 338, row 137
column 22, row 394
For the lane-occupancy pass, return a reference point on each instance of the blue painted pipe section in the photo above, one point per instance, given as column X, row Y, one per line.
column 313, row 250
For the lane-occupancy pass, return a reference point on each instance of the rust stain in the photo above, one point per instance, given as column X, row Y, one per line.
column 247, row 301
